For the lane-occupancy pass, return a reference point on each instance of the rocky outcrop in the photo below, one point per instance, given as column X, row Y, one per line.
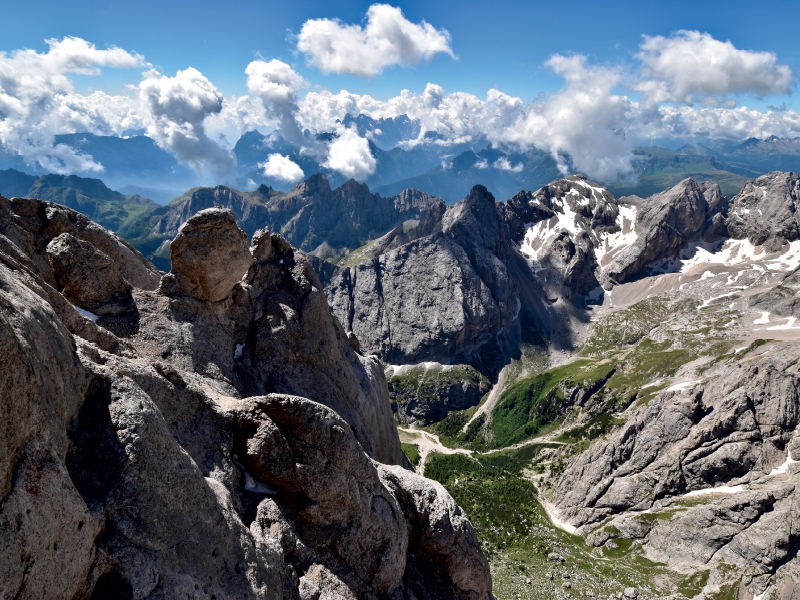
column 209, row 255
column 32, row 224
column 764, row 211
column 88, row 277
column 713, row 466
column 138, row 461
column 440, row 292
column 666, row 223
column 426, row 393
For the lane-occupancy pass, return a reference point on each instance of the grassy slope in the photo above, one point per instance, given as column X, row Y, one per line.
column 525, row 549
column 91, row 197
column 658, row 168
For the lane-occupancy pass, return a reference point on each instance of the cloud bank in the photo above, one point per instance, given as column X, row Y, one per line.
column 38, row 101
column 387, row 39
column 684, row 85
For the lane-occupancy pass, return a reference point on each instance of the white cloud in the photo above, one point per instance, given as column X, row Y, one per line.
column 504, row 164
column 689, row 65
column 481, row 164
column 585, row 120
column 239, row 114
column 283, row 168
column 175, row 109
column 350, row 155
column 277, row 84
column 691, row 84
column 684, row 122
column 38, row 101
column 387, row 39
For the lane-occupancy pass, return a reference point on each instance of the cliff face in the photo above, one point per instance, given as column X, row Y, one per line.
column 213, row 434
column 441, row 291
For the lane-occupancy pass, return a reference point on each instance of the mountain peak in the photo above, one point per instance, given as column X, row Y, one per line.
column 316, row 184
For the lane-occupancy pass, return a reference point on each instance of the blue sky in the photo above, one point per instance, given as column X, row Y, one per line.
column 588, row 80
column 498, row 44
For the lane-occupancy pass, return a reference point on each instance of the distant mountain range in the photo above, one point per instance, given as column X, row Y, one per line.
column 141, row 213
column 118, row 212
column 135, row 165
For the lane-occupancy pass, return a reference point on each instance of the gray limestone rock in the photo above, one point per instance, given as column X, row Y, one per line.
column 209, row 255
column 764, row 211
column 703, row 462
column 88, row 276
column 133, row 464
column 441, row 291
column 666, row 223
column 31, row 224
column 311, row 215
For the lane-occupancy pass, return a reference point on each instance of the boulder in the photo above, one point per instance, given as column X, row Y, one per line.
column 88, row 277
column 209, row 255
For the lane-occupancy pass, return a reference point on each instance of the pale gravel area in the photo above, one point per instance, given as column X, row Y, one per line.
column 427, row 443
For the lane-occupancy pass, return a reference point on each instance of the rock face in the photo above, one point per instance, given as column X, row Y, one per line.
column 138, row 461
column 764, row 211
column 426, row 393
column 88, row 276
column 466, row 285
column 666, row 223
column 713, row 464
column 439, row 292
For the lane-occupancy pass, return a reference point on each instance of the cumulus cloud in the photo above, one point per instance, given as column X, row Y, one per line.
column 682, row 122
column 350, row 155
column 387, row 39
column 277, row 84
column 38, row 101
column 176, row 109
column 482, row 164
column 690, row 83
column 689, row 65
column 504, row 164
column 584, row 120
column 283, row 168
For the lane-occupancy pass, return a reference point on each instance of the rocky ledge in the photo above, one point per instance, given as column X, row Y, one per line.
column 209, row 435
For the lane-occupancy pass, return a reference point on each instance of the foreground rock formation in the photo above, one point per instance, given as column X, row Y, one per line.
column 208, row 433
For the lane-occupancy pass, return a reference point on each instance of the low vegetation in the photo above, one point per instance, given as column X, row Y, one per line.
column 531, row 558
column 412, row 453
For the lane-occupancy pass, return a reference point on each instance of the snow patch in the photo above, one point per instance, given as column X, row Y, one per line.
column 238, row 352
column 788, row 325
column 553, row 514
column 784, row 467
column 611, row 244
column 251, row 485
column 762, row 595
column 683, row 385
column 723, row 489
column 763, row 319
column 86, row 313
